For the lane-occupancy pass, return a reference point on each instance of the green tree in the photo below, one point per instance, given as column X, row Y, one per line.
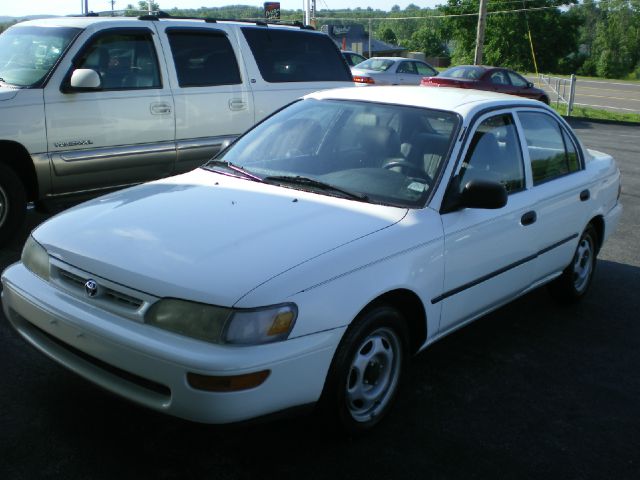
column 389, row 36
column 507, row 41
column 428, row 41
column 616, row 47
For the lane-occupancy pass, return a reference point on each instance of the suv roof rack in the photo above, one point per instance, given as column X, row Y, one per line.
column 263, row 23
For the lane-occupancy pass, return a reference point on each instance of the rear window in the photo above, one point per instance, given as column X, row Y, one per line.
column 470, row 73
column 296, row 56
column 376, row 64
column 203, row 58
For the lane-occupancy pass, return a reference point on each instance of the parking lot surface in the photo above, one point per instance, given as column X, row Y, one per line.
column 533, row 390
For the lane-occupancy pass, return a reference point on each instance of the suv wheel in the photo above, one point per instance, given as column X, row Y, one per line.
column 13, row 203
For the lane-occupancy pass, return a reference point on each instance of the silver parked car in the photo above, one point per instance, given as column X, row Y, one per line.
column 392, row 71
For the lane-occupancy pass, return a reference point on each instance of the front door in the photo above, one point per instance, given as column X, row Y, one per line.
column 121, row 133
column 488, row 252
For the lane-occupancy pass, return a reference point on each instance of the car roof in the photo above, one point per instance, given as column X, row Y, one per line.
column 463, row 101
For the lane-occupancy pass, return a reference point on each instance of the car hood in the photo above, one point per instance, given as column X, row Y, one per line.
column 204, row 236
column 7, row 93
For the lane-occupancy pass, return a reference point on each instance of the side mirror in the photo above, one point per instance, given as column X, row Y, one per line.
column 475, row 194
column 483, row 194
column 85, row 79
column 529, row 85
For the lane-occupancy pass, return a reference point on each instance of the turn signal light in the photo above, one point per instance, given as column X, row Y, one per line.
column 359, row 79
column 232, row 383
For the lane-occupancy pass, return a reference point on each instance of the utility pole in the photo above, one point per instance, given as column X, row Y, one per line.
column 86, row 7
column 482, row 19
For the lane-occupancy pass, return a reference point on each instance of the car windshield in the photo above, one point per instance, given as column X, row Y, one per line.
column 376, row 64
column 387, row 154
column 27, row 54
column 470, row 73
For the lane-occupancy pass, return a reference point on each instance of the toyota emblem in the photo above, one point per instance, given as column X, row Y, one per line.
column 91, row 288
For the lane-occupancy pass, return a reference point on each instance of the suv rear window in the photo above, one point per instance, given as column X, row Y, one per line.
column 296, row 56
column 203, row 58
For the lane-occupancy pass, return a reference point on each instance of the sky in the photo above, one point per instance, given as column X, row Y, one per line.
column 12, row 8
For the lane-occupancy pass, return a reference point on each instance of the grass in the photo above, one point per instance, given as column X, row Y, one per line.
column 596, row 114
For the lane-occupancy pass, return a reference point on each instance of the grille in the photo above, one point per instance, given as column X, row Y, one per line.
column 110, row 296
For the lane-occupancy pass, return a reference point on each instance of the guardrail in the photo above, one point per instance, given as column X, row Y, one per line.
column 564, row 88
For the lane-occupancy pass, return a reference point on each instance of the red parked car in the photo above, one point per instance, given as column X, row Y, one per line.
column 495, row 79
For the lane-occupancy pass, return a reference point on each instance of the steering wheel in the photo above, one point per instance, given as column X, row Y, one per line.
column 411, row 169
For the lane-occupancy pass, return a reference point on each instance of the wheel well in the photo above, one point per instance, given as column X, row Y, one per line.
column 598, row 224
column 16, row 156
column 412, row 309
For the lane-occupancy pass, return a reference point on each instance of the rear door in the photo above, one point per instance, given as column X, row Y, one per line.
column 560, row 191
column 124, row 132
column 213, row 102
column 286, row 63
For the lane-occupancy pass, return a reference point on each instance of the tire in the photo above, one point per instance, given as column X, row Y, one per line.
column 13, row 203
column 366, row 371
column 576, row 279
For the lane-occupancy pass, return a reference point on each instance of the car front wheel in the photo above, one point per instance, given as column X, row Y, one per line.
column 366, row 370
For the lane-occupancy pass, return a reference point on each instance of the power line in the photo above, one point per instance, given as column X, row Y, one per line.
column 453, row 15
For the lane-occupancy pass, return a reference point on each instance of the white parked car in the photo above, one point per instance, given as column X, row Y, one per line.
column 391, row 71
column 311, row 259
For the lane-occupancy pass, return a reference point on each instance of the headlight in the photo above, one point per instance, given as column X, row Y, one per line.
column 36, row 258
column 223, row 325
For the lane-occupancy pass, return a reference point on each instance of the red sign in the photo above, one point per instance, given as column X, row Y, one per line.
column 272, row 10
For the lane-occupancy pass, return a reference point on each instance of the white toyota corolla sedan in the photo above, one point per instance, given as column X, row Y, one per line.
column 313, row 257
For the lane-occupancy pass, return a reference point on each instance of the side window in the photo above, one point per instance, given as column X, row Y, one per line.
column 407, row 67
column 124, row 61
column 494, row 154
column 424, row 69
column 499, row 78
column 551, row 151
column 517, row 80
column 203, row 58
column 296, row 55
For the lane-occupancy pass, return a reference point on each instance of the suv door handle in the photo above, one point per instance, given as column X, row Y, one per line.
column 160, row 108
column 528, row 218
column 237, row 104
column 585, row 195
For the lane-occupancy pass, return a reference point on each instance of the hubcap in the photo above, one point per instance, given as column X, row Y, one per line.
column 4, row 206
column 373, row 375
column 583, row 264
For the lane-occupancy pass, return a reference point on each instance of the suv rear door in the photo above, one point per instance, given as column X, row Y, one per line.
column 210, row 88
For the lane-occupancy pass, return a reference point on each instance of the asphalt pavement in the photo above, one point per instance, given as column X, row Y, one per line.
column 611, row 95
column 533, row 390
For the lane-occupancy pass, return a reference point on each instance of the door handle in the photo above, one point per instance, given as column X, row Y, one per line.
column 528, row 218
column 585, row 195
column 160, row 109
column 237, row 104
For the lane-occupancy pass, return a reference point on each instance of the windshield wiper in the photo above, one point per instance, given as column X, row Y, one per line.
column 313, row 183
column 234, row 169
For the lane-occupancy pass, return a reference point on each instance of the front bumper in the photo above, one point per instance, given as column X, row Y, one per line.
column 149, row 366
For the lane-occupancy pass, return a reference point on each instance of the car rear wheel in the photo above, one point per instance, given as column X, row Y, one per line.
column 13, row 203
column 576, row 279
column 366, row 370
